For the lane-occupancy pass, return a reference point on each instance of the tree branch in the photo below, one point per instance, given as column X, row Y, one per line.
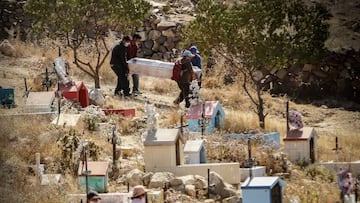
column 241, row 69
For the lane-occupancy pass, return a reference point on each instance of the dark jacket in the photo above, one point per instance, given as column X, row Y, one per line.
column 132, row 50
column 196, row 61
column 187, row 71
column 118, row 58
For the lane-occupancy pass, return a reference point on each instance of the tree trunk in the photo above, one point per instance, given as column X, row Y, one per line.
column 97, row 81
column 260, row 108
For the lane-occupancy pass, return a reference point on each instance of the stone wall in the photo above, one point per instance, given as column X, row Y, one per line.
column 336, row 77
column 161, row 35
column 13, row 20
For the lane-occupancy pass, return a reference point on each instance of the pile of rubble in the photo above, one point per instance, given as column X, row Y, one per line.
column 193, row 186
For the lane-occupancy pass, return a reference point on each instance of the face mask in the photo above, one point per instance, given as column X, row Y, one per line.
column 126, row 44
column 94, row 201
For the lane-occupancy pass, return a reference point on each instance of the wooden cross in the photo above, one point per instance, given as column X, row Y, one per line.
column 337, row 148
column 203, row 122
column 250, row 160
column 27, row 90
column 181, row 122
column 47, row 82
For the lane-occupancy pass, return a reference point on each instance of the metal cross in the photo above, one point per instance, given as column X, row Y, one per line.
column 203, row 122
column 337, row 148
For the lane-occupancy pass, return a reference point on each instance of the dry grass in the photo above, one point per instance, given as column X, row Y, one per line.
column 348, row 141
column 172, row 118
column 240, row 122
column 18, row 144
column 18, row 148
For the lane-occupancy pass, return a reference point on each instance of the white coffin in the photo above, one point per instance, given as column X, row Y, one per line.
column 154, row 68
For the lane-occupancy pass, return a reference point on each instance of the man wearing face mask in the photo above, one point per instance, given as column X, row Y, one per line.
column 118, row 63
column 93, row 197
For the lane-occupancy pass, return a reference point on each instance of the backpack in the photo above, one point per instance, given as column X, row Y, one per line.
column 177, row 71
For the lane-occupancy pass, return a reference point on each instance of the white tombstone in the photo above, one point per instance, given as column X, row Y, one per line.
column 39, row 102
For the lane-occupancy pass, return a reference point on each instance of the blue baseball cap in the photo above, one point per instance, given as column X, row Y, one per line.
column 187, row 53
column 194, row 50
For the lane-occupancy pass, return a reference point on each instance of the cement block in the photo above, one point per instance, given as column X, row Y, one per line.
column 50, row 179
column 39, row 102
column 257, row 171
column 67, row 119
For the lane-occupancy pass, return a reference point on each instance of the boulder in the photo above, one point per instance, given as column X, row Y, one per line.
column 147, row 178
column 135, row 177
column 217, row 181
column 190, row 190
column 219, row 186
column 148, row 44
column 7, row 48
column 154, row 34
column 160, row 179
column 169, row 33
column 183, row 180
column 200, row 182
column 96, row 96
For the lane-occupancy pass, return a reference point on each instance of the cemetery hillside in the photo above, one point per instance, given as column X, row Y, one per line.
column 272, row 114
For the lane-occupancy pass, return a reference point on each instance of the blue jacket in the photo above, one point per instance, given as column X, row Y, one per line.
column 196, row 61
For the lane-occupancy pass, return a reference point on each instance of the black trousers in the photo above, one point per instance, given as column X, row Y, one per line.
column 184, row 94
column 122, row 81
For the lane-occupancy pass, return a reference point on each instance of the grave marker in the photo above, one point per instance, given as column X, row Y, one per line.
column 39, row 102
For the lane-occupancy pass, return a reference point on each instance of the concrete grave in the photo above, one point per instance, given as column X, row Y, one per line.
column 195, row 152
column 257, row 171
column 214, row 115
column 300, row 144
column 163, row 151
column 262, row 189
column 98, row 175
column 77, row 92
column 7, row 97
column 67, row 120
column 38, row 102
column 45, row 179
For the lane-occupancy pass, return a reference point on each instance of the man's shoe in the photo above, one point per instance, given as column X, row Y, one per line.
column 136, row 92
column 116, row 93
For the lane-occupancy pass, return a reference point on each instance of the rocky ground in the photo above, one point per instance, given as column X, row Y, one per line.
column 327, row 121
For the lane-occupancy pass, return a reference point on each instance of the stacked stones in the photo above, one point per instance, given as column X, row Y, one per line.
column 161, row 36
column 336, row 76
column 13, row 19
